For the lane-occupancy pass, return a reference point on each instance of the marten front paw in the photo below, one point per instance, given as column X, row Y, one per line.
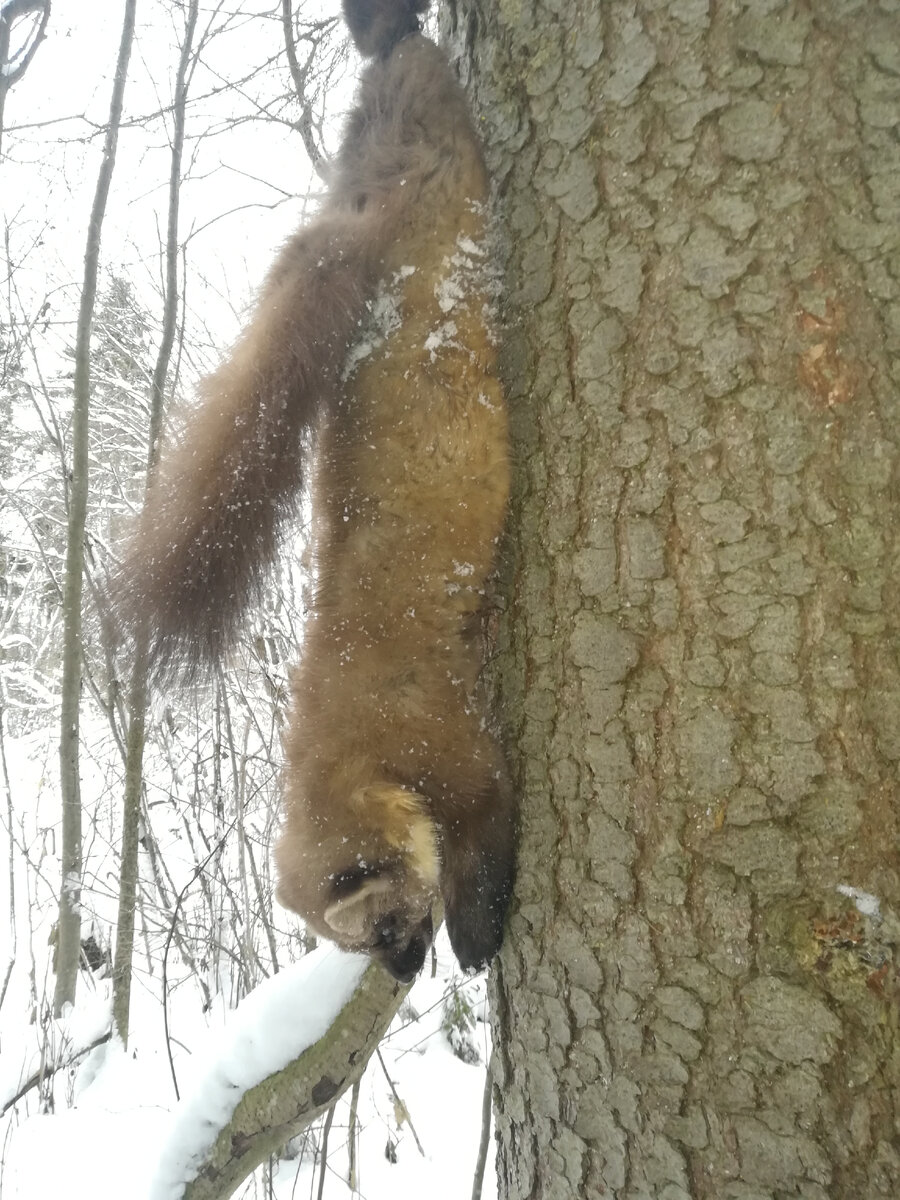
column 474, row 907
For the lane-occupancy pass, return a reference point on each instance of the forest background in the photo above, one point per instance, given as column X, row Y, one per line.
column 216, row 157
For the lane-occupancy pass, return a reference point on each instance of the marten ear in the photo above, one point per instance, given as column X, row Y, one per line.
column 351, row 916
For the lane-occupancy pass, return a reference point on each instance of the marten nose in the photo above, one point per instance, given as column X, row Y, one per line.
column 406, row 962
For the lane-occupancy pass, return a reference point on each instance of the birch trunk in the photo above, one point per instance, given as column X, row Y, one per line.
column 69, row 926
column 138, row 687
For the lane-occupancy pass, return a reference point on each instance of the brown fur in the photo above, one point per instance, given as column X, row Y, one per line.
column 388, row 755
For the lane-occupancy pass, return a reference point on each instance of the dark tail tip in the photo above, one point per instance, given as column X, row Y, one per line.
column 376, row 26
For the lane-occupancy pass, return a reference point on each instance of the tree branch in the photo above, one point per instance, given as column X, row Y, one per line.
column 486, row 1109
column 46, row 1070
column 286, row 1102
column 9, row 11
column 300, row 76
column 18, row 8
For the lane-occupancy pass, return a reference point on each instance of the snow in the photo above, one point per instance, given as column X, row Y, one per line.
column 470, row 271
column 444, row 335
column 473, row 267
column 383, row 319
column 125, row 1136
column 117, row 1129
column 865, row 902
column 67, row 1037
column 277, row 1022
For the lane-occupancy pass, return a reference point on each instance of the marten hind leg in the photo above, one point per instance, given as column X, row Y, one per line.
column 478, row 865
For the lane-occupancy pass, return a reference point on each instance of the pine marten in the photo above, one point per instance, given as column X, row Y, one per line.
column 368, row 371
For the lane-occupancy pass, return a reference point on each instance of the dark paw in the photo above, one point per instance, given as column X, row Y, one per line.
column 474, row 919
column 478, row 863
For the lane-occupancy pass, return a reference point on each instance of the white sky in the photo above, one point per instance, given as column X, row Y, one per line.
column 256, row 171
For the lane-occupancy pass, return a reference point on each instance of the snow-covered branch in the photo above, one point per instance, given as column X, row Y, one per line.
column 13, row 67
column 295, row 1044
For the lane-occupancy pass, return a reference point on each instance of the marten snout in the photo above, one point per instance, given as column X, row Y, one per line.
column 405, row 960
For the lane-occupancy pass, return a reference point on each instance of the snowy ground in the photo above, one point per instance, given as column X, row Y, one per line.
column 109, row 1126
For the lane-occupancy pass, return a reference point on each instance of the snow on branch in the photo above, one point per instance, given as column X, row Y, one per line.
column 18, row 8
column 13, row 68
column 294, row 1045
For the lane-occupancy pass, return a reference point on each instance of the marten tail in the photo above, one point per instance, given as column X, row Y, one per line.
column 376, row 26
column 210, row 523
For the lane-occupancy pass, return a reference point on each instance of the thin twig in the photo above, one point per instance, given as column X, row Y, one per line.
column 12, row 871
column 352, row 1138
column 165, row 963
column 326, row 1129
column 402, row 1107
column 485, row 1134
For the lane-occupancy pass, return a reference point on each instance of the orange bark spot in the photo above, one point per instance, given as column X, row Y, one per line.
column 846, row 930
column 822, row 368
column 877, row 979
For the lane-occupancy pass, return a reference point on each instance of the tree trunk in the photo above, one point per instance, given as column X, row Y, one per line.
column 699, row 993
column 69, row 929
column 138, row 686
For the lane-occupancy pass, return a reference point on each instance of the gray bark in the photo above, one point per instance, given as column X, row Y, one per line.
column 138, row 687
column 69, row 928
column 701, row 664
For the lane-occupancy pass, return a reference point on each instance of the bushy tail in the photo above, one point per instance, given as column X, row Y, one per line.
column 376, row 26
column 210, row 523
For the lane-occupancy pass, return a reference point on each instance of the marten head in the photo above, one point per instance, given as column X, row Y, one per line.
column 367, row 876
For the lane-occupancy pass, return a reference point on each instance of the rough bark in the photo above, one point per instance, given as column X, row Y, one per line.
column 138, row 685
column 701, row 660
column 69, row 928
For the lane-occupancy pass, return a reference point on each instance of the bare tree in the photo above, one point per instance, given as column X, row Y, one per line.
column 312, row 37
column 69, row 941
column 14, row 62
column 137, row 695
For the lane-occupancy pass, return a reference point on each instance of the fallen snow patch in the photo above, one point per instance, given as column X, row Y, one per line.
column 865, row 902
